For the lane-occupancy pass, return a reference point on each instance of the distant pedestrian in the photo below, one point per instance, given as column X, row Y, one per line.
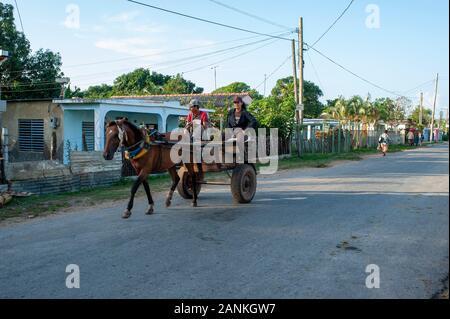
column 383, row 142
column 410, row 138
column 416, row 138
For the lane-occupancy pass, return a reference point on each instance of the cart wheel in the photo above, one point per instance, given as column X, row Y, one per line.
column 243, row 183
column 184, row 187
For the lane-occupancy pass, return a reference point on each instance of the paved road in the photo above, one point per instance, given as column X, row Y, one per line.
column 392, row 212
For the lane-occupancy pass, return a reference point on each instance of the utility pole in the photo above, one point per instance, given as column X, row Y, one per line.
column 434, row 108
column 294, row 68
column 4, row 55
column 265, row 84
column 296, row 95
column 446, row 123
column 215, row 77
column 421, row 110
column 300, row 70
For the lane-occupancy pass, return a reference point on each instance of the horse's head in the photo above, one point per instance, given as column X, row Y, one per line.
column 113, row 139
column 120, row 133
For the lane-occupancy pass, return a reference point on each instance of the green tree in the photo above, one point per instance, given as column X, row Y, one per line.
column 239, row 87
column 272, row 114
column 144, row 82
column 25, row 75
column 75, row 93
column 426, row 118
column 338, row 110
column 102, row 91
column 390, row 111
column 138, row 82
column 179, row 85
column 284, row 90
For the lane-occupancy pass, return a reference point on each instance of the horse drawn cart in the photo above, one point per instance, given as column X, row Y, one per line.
column 242, row 178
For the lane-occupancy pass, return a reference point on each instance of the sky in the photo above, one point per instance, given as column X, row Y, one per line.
column 396, row 44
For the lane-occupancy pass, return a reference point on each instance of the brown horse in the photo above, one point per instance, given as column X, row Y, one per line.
column 145, row 159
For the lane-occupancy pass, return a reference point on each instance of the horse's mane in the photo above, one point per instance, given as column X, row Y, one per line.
column 137, row 132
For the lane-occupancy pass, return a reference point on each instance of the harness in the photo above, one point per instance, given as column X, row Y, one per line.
column 143, row 146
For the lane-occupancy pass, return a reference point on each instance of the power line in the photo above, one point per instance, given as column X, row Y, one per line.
column 334, row 23
column 195, row 58
column 170, row 67
column 148, row 55
column 274, row 71
column 206, row 21
column 421, row 85
column 20, row 17
column 231, row 58
column 354, row 74
column 202, row 56
column 35, row 90
column 250, row 15
column 315, row 70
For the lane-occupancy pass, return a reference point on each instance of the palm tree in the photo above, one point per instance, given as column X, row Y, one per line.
column 356, row 112
column 337, row 111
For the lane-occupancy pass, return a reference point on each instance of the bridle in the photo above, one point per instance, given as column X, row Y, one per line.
column 122, row 134
column 124, row 137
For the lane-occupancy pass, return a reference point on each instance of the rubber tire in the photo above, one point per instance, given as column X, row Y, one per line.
column 183, row 187
column 243, row 183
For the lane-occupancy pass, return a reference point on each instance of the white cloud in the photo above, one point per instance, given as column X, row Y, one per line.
column 99, row 28
column 123, row 17
column 145, row 28
column 132, row 46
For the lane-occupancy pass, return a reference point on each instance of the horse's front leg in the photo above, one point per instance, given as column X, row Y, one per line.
column 134, row 189
column 175, row 180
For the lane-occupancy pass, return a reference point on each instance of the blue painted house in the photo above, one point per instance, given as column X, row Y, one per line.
column 85, row 119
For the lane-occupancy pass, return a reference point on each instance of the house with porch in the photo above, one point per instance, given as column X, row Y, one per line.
column 85, row 119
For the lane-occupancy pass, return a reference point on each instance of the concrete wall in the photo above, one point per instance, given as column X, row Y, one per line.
column 87, row 170
column 65, row 183
column 33, row 110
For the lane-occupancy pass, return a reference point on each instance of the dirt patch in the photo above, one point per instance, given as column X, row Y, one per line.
column 443, row 293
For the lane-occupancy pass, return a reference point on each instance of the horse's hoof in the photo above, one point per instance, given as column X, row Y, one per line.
column 126, row 214
column 168, row 202
column 194, row 205
column 150, row 211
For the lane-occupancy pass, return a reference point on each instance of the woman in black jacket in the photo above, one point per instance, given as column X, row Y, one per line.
column 240, row 117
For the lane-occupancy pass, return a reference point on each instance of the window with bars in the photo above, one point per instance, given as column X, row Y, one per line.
column 31, row 135
column 88, row 129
